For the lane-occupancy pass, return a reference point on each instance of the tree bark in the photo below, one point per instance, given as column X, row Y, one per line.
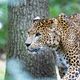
column 21, row 14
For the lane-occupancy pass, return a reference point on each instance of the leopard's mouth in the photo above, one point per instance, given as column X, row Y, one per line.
column 33, row 50
column 38, row 49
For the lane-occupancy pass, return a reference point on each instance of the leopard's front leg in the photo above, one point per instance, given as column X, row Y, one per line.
column 73, row 72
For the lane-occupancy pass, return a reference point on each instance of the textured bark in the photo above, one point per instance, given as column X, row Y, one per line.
column 21, row 14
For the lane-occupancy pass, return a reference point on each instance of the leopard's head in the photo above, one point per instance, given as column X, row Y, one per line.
column 42, row 33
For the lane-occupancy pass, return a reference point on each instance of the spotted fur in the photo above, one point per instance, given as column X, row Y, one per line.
column 70, row 44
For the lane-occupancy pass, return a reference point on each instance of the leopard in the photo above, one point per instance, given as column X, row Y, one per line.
column 61, row 61
column 63, row 32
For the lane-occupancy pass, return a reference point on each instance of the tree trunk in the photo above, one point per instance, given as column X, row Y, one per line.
column 21, row 14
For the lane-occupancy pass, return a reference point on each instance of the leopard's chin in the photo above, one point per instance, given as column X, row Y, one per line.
column 38, row 49
column 33, row 50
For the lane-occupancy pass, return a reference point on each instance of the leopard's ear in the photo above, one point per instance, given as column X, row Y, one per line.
column 62, row 17
column 64, row 21
column 62, row 14
column 37, row 18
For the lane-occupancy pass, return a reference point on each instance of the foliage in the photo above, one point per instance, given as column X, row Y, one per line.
column 66, row 6
column 3, row 24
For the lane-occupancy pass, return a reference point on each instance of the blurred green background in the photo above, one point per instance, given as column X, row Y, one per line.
column 3, row 35
column 66, row 6
column 3, row 23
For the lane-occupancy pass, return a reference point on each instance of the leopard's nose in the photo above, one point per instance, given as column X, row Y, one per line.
column 27, row 44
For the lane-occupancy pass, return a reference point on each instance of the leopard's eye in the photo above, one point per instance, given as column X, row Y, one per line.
column 37, row 34
column 28, row 32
